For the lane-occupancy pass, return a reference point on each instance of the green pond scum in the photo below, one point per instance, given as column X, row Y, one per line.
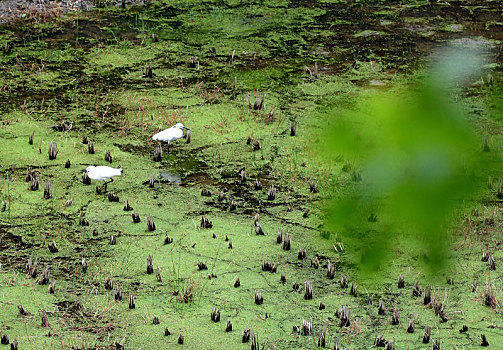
column 377, row 122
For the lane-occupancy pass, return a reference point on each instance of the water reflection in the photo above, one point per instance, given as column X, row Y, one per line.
column 171, row 177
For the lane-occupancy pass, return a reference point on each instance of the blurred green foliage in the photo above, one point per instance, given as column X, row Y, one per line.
column 416, row 158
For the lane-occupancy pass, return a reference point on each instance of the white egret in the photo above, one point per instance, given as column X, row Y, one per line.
column 171, row 134
column 102, row 173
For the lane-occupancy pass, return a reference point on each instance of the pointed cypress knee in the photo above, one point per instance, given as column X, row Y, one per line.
column 245, row 335
column 14, row 344
column 382, row 309
column 427, row 295
column 108, row 157
column 307, row 328
column 308, row 290
column 151, row 183
column 34, row 183
column 113, row 197
column 256, row 145
column 492, row 263
column 45, row 322
column 180, row 339
column 90, row 148
column 158, row 275
column 45, row 276
column 158, row 154
column 48, row 190
column 205, row 223
column 271, row 193
column 113, row 240
column 401, row 281
column 344, row 281
column 237, row 283
column 293, row 128
column 127, row 207
column 168, row 240
column 22, row 310
column 395, row 319
column 228, row 326
column 53, row 150
column 257, row 185
column 136, row 217
column 84, row 265
column 279, row 237
column 315, row 262
column 132, row 301
column 109, row 284
column 259, row 300
column 30, row 138
column 286, row 241
column 150, row 224
column 354, row 289
column 187, row 136
column 118, row 293
column 427, row 334
column 417, row 290
column 84, row 140
column 86, row 180
column 52, row 287
column 411, row 326
column 301, row 254
column 52, row 247
column 379, row 341
column 484, row 341
column 330, row 270
column 166, row 332
column 155, row 320
column 150, row 265
column 436, row 345
column 68, row 164
column 321, row 306
column 254, row 341
column 215, row 315
column 4, row 339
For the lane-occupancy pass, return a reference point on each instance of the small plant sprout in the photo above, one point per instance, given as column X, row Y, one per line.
column 90, row 148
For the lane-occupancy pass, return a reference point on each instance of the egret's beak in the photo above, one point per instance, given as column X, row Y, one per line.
column 184, row 127
column 84, row 171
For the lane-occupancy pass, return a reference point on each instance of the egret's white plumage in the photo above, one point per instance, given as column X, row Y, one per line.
column 102, row 172
column 171, row 134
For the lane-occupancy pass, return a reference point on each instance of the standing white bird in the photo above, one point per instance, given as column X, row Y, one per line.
column 102, row 173
column 171, row 134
